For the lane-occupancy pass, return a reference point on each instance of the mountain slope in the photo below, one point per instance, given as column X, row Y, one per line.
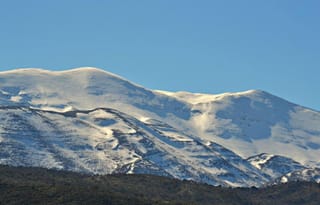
column 307, row 174
column 105, row 141
column 274, row 165
column 89, row 120
column 255, row 122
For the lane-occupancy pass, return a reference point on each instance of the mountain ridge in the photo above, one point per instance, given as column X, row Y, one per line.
column 90, row 120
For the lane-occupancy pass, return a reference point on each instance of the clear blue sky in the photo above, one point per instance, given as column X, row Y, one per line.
column 199, row 46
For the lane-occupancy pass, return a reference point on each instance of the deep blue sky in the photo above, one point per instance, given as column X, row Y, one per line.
column 199, row 46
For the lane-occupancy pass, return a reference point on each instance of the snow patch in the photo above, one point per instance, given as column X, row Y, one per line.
column 58, row 108
column 15, row 98
column 144, row 119
column 262, row 160
column 284, row 180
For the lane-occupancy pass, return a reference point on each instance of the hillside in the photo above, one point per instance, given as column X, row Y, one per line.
column 41, row 186
column 91, row 121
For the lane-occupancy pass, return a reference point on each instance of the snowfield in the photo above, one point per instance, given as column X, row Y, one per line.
column 90, row 120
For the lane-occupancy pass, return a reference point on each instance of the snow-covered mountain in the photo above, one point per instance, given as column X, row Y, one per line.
column 89, row 120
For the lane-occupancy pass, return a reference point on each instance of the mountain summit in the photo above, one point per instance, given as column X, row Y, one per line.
column 90, row 120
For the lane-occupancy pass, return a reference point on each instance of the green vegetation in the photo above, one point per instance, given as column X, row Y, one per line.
column 19, row 185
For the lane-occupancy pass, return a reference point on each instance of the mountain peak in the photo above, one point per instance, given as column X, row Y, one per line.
column 247, row 93
column 198, row 98
column 254, row 92
column 40, row 71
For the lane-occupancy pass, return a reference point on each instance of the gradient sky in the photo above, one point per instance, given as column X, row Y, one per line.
column 198, row 46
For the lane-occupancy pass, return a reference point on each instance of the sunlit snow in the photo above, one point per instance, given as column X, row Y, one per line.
column 90, row 120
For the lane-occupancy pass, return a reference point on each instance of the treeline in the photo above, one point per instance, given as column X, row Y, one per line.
column 20, row 185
